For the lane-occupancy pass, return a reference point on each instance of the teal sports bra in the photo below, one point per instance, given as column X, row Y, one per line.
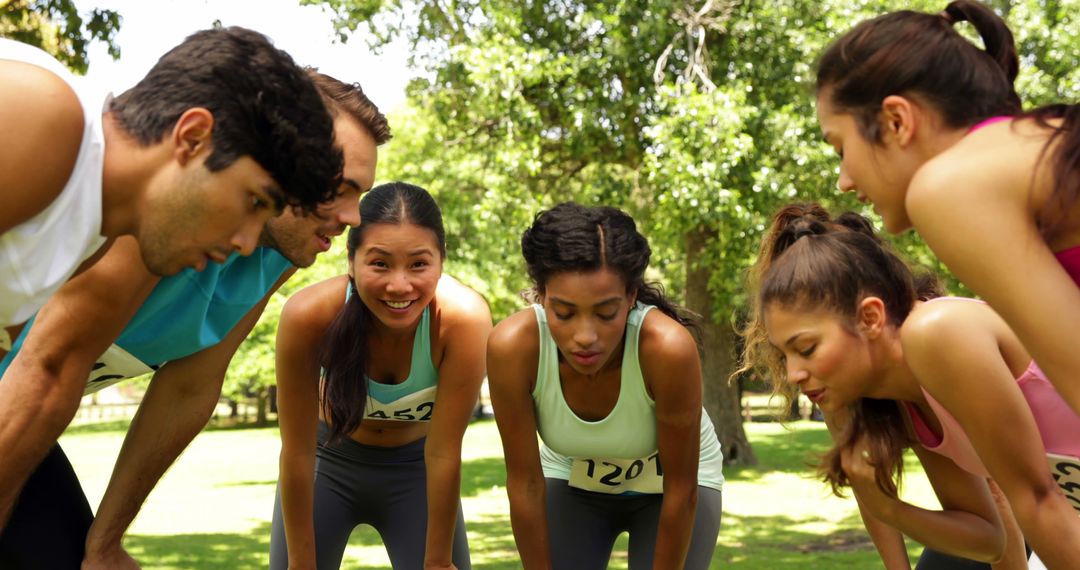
column 414, row 399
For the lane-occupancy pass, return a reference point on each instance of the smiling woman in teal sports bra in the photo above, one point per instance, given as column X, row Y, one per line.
column 398, row 350
column 604, row 368
column 904, row 99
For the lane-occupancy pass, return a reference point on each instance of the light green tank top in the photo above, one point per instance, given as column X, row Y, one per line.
column 616, row 454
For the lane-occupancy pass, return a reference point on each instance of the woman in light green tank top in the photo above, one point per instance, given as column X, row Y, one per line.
column 614, row 390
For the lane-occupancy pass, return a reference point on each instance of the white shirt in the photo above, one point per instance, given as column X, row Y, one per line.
column 40, row 254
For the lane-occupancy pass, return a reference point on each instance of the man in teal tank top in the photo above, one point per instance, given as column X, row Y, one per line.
column 186, row 329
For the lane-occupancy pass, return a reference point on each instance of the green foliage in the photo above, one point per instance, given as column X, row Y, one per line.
column 696, row 116
column 252, row 368
column 56, row 27
column 521, row 105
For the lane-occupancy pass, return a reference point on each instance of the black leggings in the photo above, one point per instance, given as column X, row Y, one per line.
column 48, row 526
column 583, row 526
column 385, row 487
column 934, row 560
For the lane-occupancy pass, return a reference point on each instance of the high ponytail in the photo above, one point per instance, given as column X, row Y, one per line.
column 997, row 39
column 810, row 261
column 921, row 55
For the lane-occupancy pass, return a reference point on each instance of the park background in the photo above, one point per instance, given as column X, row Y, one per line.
column 697, row 117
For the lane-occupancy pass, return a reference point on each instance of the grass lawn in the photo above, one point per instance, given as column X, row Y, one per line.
column 212, row 510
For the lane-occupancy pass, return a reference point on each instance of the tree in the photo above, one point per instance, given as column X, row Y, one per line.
column 696, row 116
column 56, row 27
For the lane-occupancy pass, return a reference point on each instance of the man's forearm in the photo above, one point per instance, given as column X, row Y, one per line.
column 171, row 414
column 35, row 411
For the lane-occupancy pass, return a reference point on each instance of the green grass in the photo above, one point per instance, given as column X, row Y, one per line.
column 213, row 509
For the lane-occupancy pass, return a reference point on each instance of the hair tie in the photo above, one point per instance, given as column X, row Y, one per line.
column 801, row 232
column 947, row 17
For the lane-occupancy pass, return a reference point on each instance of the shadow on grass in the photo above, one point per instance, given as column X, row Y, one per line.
column 483, row 474
column 779, row 542
column 239, row 551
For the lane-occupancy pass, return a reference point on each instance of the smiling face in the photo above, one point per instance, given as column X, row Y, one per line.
column 300, row 238
column 879, row 173
column 396, row 269
column 586, row 313
column 829, row 363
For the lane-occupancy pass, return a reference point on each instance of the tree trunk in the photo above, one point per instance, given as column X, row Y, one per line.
column 272, row 395
column 718, row 359
column 261, row 401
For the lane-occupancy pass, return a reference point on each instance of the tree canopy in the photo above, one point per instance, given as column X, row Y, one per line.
column 57, row 27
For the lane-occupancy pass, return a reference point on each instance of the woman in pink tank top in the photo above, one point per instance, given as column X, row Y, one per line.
column 841, row 318
column 995, row 201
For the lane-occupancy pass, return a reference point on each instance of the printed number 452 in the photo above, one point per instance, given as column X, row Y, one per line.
column 407, row 413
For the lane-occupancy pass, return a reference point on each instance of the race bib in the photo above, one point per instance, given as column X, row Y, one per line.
column 416, row 407
column 1066, row 472
column 115, row 365
column 617, row 476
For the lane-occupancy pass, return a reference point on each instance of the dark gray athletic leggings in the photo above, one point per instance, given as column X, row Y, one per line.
column 385, row 487
column 583, row 526
column 934, row 560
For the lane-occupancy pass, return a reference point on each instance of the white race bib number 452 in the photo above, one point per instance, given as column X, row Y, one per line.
column 617, row 476
column 1066, row 472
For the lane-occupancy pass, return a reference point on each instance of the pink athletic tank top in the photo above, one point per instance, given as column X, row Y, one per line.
column 1058, row 425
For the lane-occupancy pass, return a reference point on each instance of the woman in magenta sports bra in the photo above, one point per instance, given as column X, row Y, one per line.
column 994, row 200
column 841, row 318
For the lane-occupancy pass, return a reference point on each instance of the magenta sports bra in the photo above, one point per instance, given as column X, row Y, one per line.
column 1068, row 258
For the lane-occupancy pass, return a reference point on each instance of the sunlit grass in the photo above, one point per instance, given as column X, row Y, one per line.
column 213, row 509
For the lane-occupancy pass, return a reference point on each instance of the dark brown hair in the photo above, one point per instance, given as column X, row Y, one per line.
column 344, row 354
column 571, row 238
column 264, row 106
column 350, row 98
column 1065, row 168
column 810, row 261
column 921, row 55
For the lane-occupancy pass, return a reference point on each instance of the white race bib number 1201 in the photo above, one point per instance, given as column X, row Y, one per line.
column 1066, row 472
column 617, row 476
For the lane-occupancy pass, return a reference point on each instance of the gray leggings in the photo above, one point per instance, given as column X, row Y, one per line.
column 385, row 487
column 583, row 526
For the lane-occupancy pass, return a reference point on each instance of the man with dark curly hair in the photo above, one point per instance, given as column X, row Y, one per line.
column 183, row 170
